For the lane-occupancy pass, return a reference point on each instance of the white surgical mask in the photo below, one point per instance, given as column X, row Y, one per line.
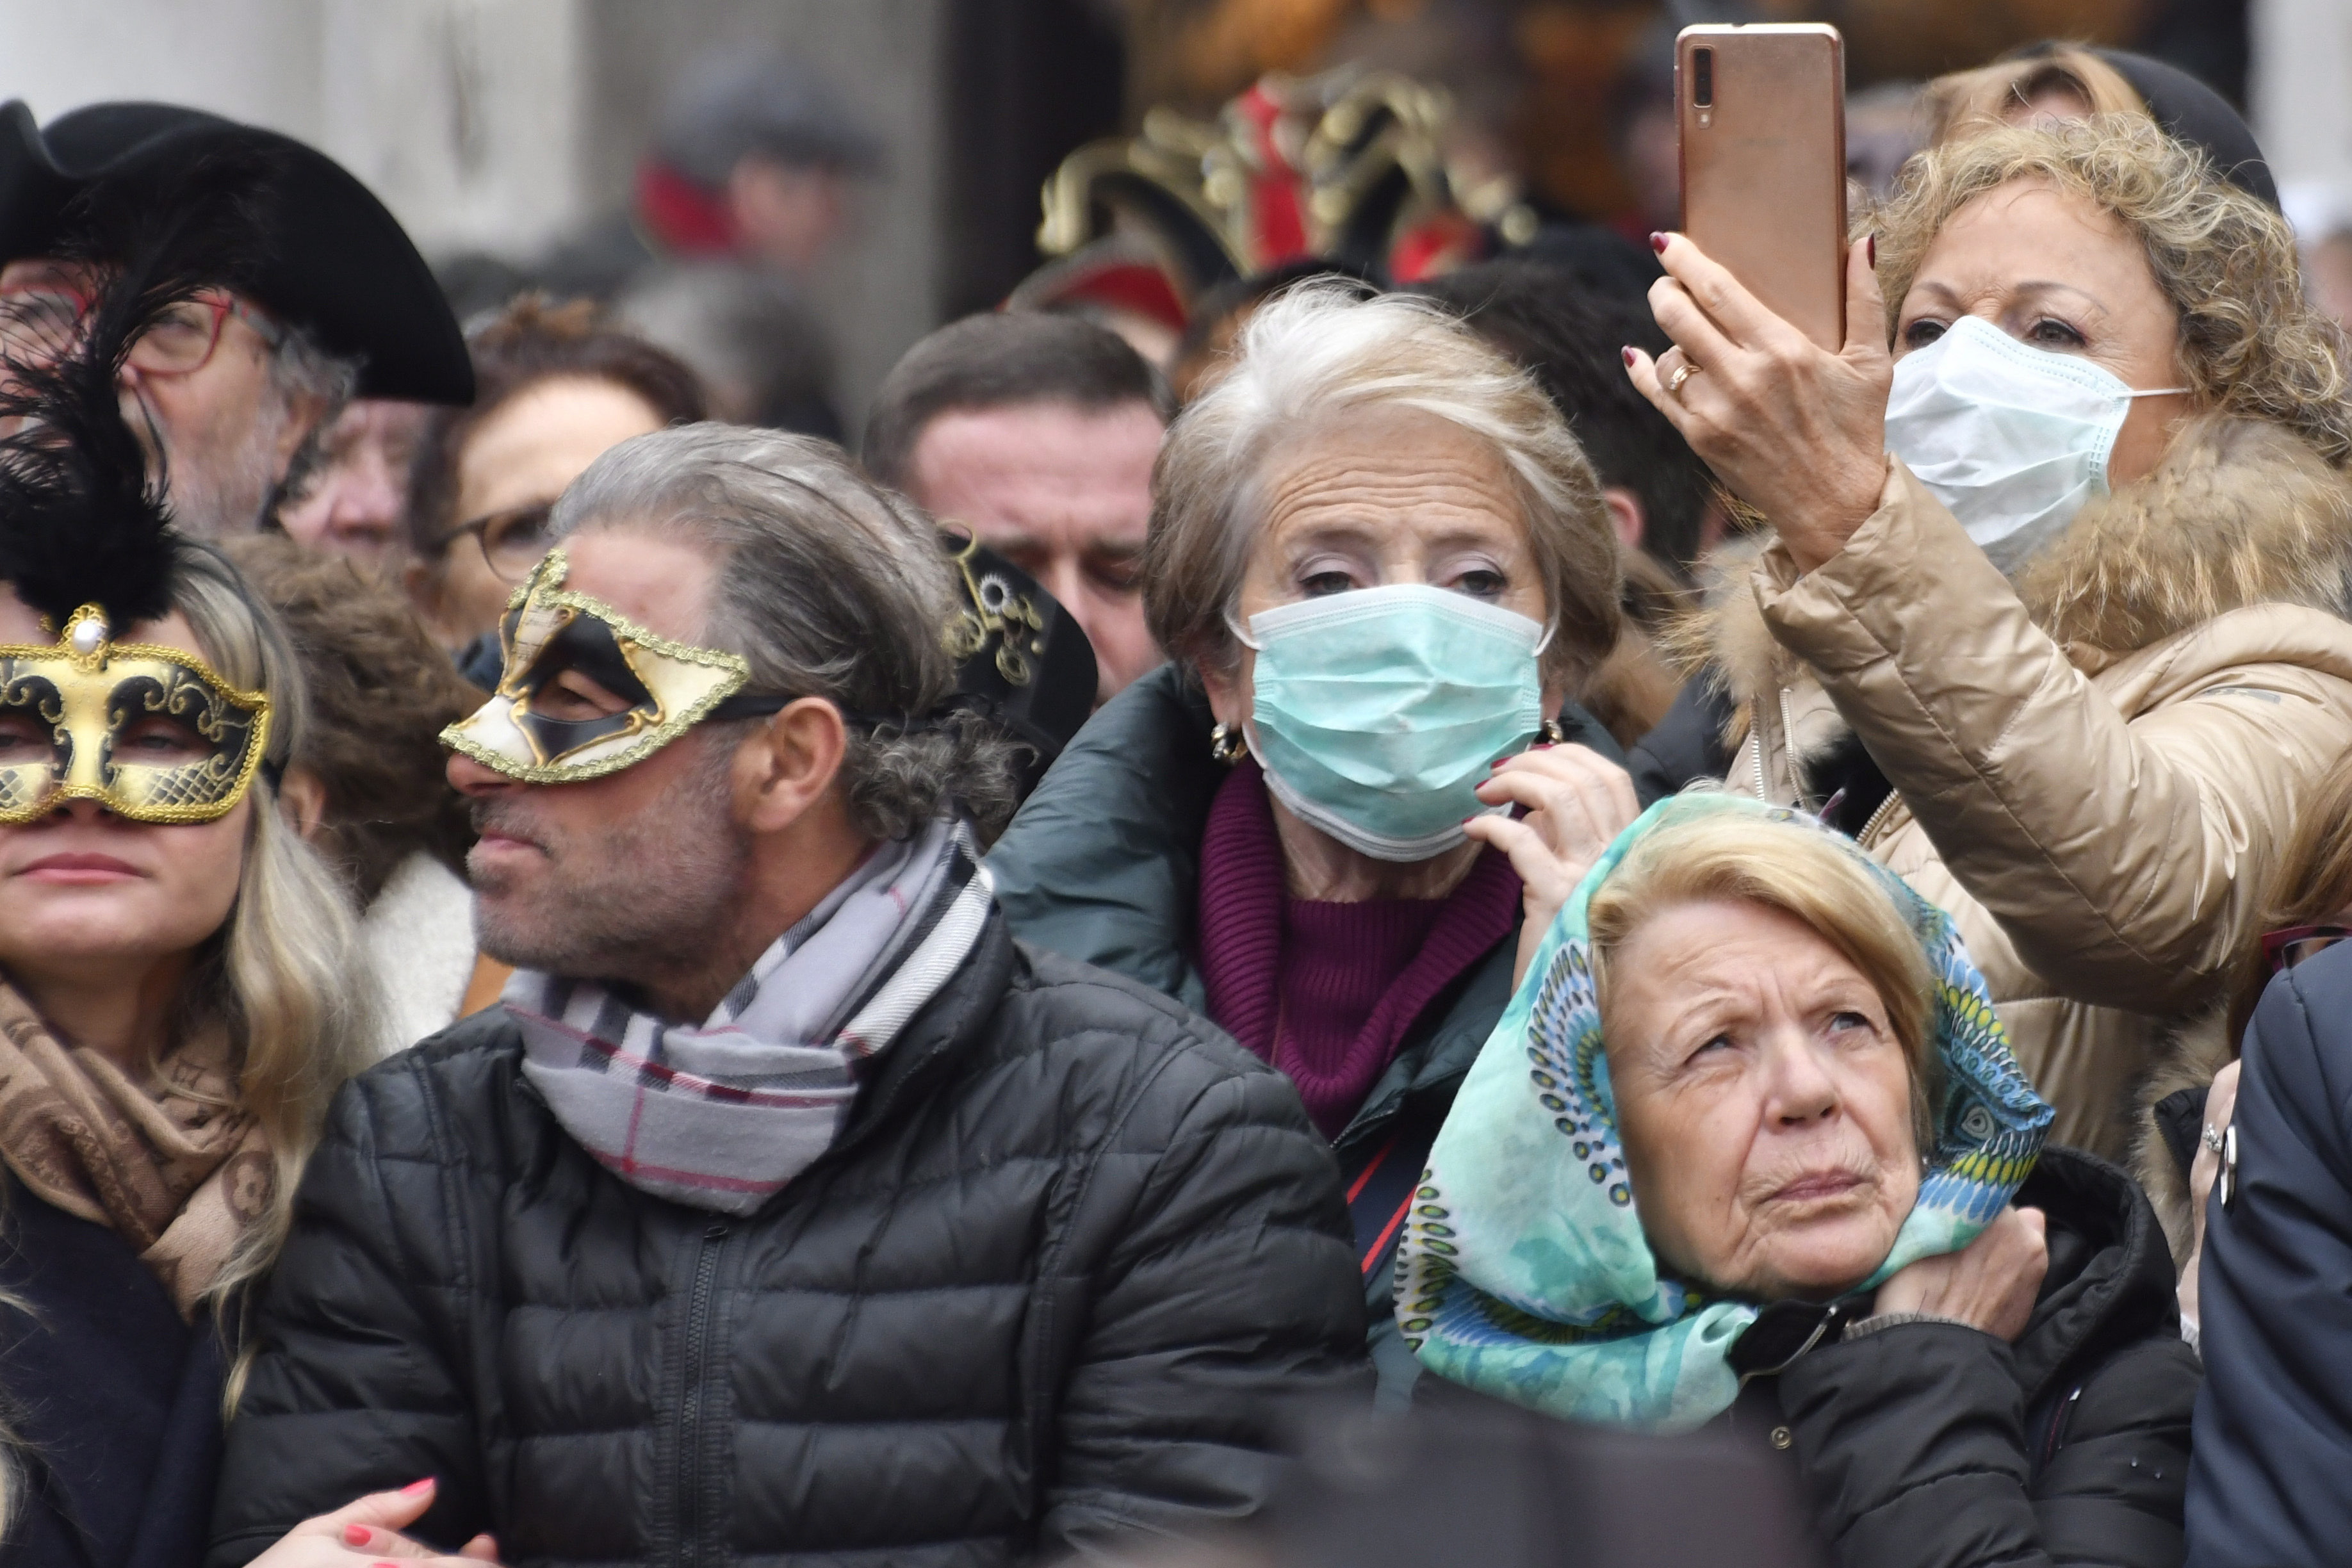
column 2012, row 439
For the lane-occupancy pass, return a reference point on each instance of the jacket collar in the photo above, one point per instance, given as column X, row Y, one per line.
column 2240, row 512
column 952, row 1025
column 2111, row 1275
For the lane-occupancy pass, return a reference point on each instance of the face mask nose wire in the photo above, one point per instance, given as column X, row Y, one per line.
column 1232, row 625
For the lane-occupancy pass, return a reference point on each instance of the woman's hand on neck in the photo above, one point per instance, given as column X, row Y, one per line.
column 1319, row 868
column 124, row 1017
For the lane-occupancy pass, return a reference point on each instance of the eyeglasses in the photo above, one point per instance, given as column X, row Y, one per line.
column 2286, row 949
column 39, row 321
column 512, row 542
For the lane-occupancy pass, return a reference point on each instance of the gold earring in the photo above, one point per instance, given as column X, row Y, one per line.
column 1226, row 745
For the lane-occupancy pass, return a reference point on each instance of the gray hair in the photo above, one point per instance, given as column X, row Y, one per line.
column 831, row 587
column 1311, row 358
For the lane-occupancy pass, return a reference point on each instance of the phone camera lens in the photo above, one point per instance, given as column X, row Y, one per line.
column 1703, row 77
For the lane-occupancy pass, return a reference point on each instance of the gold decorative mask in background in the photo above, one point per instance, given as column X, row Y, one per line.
column 670, row 687
column 151, row 733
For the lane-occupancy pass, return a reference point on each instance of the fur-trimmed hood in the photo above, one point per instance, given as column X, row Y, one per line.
column 2240, row 512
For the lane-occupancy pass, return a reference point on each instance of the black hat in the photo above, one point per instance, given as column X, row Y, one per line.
column 1022, row 660
column 2191, row 111
column 326, row 255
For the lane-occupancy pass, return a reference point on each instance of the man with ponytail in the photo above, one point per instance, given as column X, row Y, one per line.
column 787, row 1207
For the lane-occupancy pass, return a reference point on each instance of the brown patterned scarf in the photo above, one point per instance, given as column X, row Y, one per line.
column 169, row 1164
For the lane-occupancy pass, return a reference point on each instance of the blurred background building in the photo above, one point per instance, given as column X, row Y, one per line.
column 822, row 181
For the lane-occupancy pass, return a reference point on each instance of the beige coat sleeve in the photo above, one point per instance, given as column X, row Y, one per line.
column 2123, row 857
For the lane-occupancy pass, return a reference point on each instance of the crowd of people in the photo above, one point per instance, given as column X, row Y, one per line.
column 1440, row 898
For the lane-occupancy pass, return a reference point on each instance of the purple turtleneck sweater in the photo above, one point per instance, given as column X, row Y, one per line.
column 1324, row 991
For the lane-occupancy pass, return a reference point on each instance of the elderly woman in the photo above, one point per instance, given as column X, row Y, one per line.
column 1383, row 567
column 1742, row 1152
column 2051, row 619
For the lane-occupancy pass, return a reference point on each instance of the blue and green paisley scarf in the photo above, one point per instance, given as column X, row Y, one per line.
column 1524, row 1272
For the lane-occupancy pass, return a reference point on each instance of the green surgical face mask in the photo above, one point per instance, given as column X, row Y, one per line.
column 1378, row 712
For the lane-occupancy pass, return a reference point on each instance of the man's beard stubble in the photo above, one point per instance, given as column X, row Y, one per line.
column 637, row 899
column 220, row 490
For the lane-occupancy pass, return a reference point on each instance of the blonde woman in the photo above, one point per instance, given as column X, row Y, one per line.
column 2052, row 619
column 176, row 1000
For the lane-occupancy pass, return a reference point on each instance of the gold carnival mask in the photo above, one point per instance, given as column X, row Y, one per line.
column 670, row 687
column 151, row 733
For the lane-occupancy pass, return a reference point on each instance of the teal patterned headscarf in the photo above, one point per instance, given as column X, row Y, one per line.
column 1524, row 1272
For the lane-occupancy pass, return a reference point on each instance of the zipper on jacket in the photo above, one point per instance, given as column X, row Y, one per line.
column 690, row 1479
column 1885, row 807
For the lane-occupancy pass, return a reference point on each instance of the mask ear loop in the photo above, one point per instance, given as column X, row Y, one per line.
column 1241, row 637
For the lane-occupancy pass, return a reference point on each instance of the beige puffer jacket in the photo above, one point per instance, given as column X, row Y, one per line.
column 2094, row 769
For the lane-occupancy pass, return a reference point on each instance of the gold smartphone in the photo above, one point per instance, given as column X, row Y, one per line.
column 1761, row 109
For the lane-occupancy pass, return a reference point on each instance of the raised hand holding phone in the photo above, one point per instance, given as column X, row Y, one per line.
column 1790, row 416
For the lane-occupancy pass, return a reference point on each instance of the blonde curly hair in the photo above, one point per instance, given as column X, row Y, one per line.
column 2250, row 344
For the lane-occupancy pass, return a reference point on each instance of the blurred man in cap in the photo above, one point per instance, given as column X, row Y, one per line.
column 751, row 163
column 319, row 294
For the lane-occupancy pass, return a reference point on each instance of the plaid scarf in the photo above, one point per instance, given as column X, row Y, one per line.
column 721, row 1117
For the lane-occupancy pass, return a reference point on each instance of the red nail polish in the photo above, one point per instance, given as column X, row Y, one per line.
column 414, row 1488
column 1872, row 252
column 1629, row 357
column 1658, row 243
column 357, row 1535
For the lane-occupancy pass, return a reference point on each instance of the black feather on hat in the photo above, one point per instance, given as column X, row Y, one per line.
column 83, row 518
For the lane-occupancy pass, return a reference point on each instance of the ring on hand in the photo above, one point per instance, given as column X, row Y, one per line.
column 2211, row 1138
column 1683, row 372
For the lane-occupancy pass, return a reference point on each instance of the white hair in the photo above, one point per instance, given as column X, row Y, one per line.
column 1308, row 359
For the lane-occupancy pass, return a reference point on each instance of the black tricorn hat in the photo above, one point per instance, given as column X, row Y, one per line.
column 326, row 254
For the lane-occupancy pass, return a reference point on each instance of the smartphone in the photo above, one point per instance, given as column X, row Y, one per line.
column 1761, row 109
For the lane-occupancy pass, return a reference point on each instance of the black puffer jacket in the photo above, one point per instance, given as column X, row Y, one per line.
column 1069, row 1256
column 1935, row 1446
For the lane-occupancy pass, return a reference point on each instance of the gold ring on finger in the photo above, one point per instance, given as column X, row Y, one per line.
column 1683, row 372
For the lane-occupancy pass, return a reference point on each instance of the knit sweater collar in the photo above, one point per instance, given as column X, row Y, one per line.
column 1275, row 981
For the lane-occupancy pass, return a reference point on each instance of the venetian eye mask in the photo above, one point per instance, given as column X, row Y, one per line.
column 151, row 733
column 670, row 687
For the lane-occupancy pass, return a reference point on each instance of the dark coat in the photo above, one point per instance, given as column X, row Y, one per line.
column 1933, row 1444
column 115, row 1400
column 1103, row 864
column 2271, row 1483
column 1070, row 1256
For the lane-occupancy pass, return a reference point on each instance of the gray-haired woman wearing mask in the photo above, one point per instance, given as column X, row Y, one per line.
column 2071, row 660
column 1383, row 568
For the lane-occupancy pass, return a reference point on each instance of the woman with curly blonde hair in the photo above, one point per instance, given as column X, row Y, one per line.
column 2052, row 616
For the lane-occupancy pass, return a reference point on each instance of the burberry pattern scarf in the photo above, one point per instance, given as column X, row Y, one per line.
column 722, row 1116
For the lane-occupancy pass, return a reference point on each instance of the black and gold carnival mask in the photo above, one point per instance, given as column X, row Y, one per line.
column 670, row 687
column 151, row 733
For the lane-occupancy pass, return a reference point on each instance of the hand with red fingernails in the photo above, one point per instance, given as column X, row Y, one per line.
column 1795, row 431
column 366, row 1533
